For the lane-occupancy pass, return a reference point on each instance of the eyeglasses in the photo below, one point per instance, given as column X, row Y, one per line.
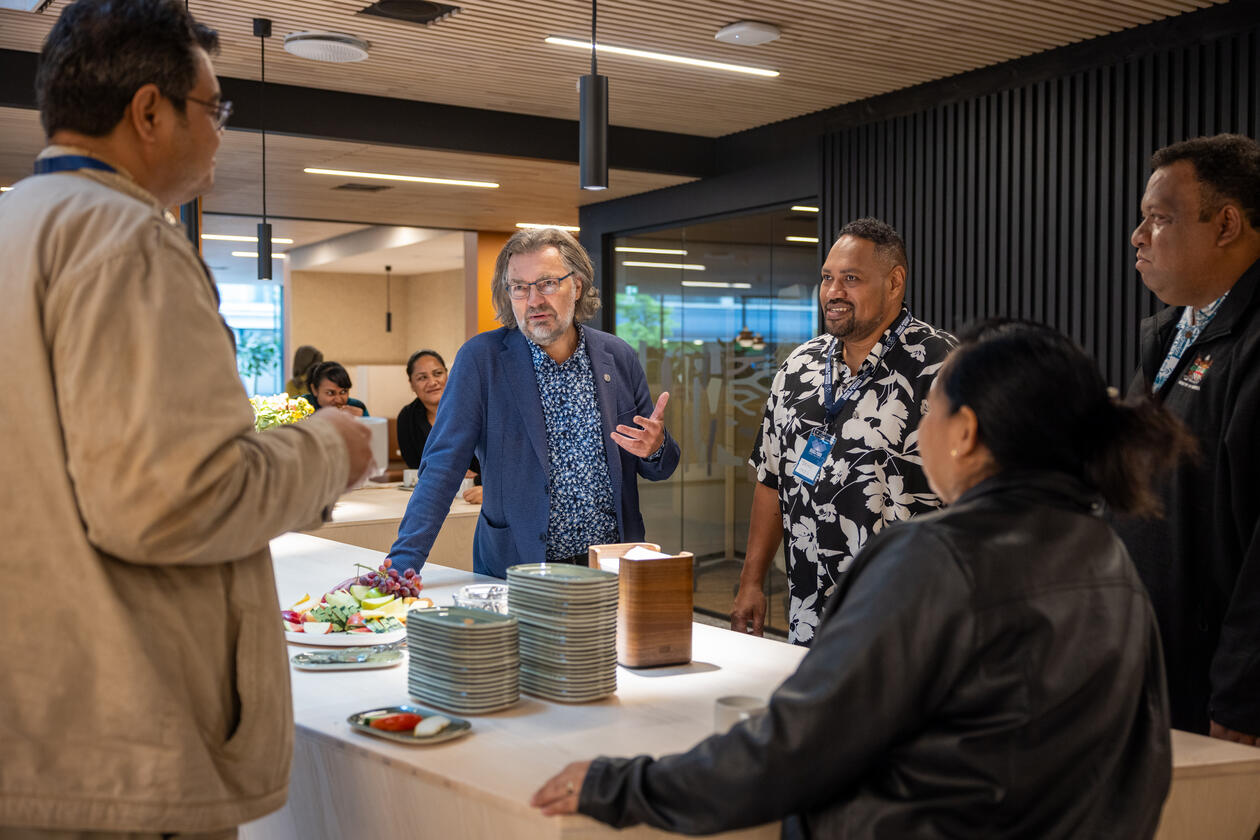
column 546, row 286
column 222, row 110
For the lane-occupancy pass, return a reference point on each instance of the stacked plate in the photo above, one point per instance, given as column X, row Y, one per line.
column 462, row 659
column 568, row 629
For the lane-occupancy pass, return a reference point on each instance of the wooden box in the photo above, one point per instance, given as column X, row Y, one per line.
column 654, row 608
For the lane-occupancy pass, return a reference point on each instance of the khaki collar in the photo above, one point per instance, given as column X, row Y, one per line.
column 120, row 180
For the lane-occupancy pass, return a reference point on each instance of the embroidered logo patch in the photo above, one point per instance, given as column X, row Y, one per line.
column 1195, row 373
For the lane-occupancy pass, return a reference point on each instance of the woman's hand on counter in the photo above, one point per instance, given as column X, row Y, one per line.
column 560, row 794
column 473, row 495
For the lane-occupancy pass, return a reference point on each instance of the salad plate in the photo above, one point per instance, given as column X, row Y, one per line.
column 346, row 639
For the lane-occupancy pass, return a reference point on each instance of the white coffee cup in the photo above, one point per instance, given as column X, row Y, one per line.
column 466, row 485
column 409, row 477
column 730, row 710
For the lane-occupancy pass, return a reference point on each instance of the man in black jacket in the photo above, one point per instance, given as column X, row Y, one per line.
column 1198, row 250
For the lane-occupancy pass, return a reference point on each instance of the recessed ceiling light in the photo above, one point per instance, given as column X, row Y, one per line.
column 675, row 266
column 748, row 33
column 225, row 237
column 809, row 240
column 536, row 225
column 656, row 56
column 336, row 47
column 383, row 176
column 801, row 208
column 626, row 249
column 716, row 285
column 254, row 254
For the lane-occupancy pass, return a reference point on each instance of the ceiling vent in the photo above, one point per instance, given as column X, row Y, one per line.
column 336, row 47
column 367, row 188
column 411, row 11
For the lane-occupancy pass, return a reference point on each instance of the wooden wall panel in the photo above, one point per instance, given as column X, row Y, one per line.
column 1021, row 202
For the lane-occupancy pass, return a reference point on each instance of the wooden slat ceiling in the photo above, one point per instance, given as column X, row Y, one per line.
column 530, row 191
column 491, row 54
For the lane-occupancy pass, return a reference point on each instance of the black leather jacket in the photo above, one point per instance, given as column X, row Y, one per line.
column 991, row 670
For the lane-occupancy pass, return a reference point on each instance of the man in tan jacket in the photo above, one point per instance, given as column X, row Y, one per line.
column 145, row 686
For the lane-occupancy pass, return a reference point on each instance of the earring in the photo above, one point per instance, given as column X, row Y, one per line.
column 953, row 453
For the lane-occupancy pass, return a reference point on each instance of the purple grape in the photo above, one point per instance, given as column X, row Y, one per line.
column 393, row 573
column 386, row 563
column 409, row 574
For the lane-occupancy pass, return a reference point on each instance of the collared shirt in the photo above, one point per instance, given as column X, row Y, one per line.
column 873, row 475
column 1193, row 322
column 580, row 489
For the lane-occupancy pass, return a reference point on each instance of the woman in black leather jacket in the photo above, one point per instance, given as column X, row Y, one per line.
column 989, row 670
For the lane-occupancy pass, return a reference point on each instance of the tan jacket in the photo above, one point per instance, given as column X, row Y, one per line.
column 143, row 681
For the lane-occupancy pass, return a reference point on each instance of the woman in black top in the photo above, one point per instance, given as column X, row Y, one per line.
column 989, row 670
column 426, row 373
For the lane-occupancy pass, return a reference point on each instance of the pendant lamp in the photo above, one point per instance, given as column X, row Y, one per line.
column 262, row 31
column 593, row 152
column 389, row 316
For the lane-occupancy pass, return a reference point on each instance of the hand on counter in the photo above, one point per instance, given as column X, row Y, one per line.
column 1227, row 734
column 560, row 794
column 473, row 495
column 646, row 440
column 358, row 439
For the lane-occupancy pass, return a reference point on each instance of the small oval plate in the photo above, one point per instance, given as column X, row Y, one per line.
column 361, row 722
column 346, row 659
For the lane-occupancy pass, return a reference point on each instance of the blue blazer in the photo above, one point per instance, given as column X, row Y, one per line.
column 491, row 409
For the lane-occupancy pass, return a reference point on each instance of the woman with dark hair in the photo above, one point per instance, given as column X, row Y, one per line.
column 330, row 388
column 426, row 373
column 988, row 670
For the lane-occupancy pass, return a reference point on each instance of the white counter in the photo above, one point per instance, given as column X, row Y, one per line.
column 369, row 518
column 345, row 784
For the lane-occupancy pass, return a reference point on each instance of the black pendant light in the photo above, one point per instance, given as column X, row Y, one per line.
column 262, row 31
column 389, row 316
column 593, row 153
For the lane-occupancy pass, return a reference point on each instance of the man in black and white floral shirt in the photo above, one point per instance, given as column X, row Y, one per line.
column 837, row 456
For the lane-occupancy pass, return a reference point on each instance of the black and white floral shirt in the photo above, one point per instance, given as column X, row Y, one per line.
column 873, row 475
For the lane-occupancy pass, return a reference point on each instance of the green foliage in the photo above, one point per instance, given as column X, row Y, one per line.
column 641, row 319
column 255, row 356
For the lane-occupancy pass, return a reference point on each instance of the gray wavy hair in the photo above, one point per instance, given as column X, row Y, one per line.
column 529, row 240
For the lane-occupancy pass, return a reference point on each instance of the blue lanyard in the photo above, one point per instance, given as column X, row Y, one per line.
column 70, row 163
column 833, row 407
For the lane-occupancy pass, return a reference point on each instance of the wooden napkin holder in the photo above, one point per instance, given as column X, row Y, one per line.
column 654, row 607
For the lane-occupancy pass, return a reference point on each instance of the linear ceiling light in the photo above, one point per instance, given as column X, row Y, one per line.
column 674, row 59
column 227, row 237
column 801, row 208
column 675, row 266
column 810, row 240
column 626, row 249
column 716, row 285
column 254, row 254
column 5, row 189
column 416, row 179
column 533, row 225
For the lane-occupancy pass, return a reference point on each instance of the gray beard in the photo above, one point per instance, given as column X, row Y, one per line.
column 543, row 339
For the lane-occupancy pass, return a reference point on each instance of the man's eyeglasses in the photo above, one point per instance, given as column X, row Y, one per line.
column 222, row 110
column 546, row 286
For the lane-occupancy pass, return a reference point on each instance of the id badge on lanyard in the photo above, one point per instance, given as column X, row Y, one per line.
column 818, row 447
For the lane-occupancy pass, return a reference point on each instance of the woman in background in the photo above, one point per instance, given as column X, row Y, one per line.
column 330, row 388
column 304, row 358
column 992, row 669
column 426, row 373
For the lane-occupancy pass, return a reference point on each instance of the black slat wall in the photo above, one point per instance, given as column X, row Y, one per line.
column 1021, row 202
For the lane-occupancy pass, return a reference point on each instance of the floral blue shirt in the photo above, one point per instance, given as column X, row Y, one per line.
column 1191, row 325
column 582, row 512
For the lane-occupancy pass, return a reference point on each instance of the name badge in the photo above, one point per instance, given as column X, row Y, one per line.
column 817, row 448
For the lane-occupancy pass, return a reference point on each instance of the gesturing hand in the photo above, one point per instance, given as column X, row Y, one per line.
column 646, row 440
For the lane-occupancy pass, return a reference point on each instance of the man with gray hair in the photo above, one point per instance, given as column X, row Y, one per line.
column 558, row 414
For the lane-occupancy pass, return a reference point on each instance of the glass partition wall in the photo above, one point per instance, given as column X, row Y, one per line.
column 713, row 309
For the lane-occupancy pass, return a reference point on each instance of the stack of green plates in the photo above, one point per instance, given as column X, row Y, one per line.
column 568, row 629
column 462, row 659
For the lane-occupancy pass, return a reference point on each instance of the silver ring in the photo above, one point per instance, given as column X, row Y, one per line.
column 568, row 787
